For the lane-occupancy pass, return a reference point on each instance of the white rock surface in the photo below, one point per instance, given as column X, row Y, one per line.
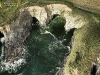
column 43, row 14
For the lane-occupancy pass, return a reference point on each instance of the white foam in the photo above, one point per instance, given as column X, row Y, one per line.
column 69, row 49
column 13, row 66
column 2, row 39
column 47, row 32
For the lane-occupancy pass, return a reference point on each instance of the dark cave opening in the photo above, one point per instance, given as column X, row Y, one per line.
column 35, row 24
column 70, row 38
column 34, row 21
column 1, row 35
column 93, row 69
column 1, row 42
column 0, row 48
column 53, row 17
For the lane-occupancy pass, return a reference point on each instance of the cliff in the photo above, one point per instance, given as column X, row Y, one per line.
column 19, row 30
column 85, row 49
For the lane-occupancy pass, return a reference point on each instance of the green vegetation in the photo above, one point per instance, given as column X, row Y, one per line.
column 87, row 39
column 10, row 9
column 86, row 48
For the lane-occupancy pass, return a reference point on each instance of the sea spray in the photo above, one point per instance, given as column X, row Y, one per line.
column 14, row 66
column 47, row 32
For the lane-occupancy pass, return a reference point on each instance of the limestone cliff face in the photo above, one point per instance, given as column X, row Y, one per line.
column 16, row 33
column 89, row 5
column 45, row 14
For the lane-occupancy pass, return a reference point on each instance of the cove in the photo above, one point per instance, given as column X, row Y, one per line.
column 46, row 47
column 46, row 52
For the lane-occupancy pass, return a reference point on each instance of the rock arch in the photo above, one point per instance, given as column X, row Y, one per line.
column 45, row 14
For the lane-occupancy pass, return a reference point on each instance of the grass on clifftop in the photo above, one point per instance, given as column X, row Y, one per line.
column 86, row 48
column 10, row 8
column 87, row 39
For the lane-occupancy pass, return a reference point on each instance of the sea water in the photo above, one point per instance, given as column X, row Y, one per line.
column 46, row 51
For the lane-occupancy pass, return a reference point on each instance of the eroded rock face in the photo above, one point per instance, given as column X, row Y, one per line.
column 89, row 5
column 19, row 31
column 45, row 14
column 16, row 33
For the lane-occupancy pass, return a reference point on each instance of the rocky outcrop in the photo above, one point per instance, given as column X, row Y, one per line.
column 14, row 40
column 15, row 36
column 89, row 5
column 85, row 49
column 16, row 33
column 45, row 14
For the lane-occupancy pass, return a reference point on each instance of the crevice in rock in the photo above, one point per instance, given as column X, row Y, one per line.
column 1, row 45
column 34, row 21
column 54, row 16
column 1, row 35
column 93, row 69
column 0, row 48
column 35, row 24
column 70, row 38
